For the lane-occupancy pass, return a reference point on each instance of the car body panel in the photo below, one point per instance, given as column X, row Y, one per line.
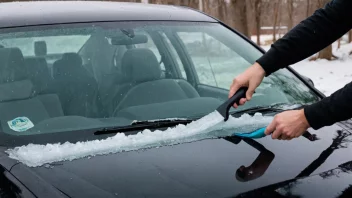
column 12, row 187
column 40, row 13
column 332, row 183
column 204, row 168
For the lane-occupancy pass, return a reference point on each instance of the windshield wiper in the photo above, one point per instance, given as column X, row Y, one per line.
column 171, row 122
column 263, row 109
column 141, row 125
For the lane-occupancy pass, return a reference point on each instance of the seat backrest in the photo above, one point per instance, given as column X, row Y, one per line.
column 17, row 97
column 39, row 73
column 78, row 91
column 142, row 68
column 12, row 65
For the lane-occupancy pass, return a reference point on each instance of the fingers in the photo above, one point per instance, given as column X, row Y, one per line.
column 242, row 101
column 276, row 134
column 250, row 92
column 270, row 128
column 234, row 87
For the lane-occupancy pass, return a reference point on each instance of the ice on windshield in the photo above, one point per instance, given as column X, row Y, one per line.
column 210, row 126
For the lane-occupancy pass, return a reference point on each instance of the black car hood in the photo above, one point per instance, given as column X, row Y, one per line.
column 207, row 168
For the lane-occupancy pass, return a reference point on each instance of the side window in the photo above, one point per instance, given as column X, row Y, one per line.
column 215, row 63
column 175, row 55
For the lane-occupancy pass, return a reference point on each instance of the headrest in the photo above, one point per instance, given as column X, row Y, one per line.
column 40, row 48
column 70, row 65
column 72, row 58
column 140, row 65
column 12, row 66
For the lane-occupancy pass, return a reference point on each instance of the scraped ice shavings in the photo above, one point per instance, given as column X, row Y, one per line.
column 210, row 126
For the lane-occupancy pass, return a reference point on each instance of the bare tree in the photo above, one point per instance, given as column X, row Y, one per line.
column 325, row 53
column 258, row 15
column 277, row 5
column 240, row 16
column 221, row 9
column 308, row 8
column 290, row 13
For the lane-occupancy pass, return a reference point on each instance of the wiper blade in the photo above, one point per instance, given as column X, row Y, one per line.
column 141, row 125
column 171, row 122
column 270, row 108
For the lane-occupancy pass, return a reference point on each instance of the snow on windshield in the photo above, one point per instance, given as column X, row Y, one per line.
column 210, row 126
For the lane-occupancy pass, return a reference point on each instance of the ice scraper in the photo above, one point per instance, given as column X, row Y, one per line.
column 259, row 133
column 225, row 107
column 224, row 111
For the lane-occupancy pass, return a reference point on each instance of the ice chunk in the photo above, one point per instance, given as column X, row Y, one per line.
column 210, row 126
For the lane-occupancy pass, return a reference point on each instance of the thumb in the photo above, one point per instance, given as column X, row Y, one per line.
column 250, row 91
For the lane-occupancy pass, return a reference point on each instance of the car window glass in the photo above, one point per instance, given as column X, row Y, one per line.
column 151, row 45
column 175, row 55
column 54, row 44
column 215, row 63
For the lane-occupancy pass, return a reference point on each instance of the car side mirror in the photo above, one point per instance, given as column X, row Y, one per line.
column 308, row 80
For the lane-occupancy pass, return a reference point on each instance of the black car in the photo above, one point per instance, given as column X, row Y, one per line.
column 80, row 80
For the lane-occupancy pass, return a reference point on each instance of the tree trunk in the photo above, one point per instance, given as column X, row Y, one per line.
column 279, row 19
column 308, row 9
column 200, row 5
column 326, row 53
column 258, row 13
column 276, row 14
column 241, row 22
column 290, row 14
column 339, row 43
column 350, row 36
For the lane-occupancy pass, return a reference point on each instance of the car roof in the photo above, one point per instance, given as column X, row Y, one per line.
column 17, row 14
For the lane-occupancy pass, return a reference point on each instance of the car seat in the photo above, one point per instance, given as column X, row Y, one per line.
column 17, row 97
column 39, row 73
column 78, row 91
column 141, row 69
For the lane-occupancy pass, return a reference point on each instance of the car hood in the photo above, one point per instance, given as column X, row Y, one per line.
column 221, row 167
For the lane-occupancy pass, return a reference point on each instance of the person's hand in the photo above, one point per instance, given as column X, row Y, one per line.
column 250, row 78
column 288, row 125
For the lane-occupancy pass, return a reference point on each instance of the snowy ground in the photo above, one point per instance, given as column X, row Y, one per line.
column 328, row 76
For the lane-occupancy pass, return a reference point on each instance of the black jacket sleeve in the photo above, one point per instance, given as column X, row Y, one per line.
column 318, row 31
column 335, row 108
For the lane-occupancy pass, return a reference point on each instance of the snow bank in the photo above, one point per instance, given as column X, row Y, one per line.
column 210, row 126
column 329, row 76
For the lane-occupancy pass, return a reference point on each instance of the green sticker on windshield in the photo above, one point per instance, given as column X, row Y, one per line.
column 20, row 124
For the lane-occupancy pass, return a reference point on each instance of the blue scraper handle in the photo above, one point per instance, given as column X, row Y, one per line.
column 259, row 133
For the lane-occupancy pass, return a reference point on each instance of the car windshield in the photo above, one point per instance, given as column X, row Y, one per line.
column 79, row 77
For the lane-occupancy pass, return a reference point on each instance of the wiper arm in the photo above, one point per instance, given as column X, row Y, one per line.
column 141, row 125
